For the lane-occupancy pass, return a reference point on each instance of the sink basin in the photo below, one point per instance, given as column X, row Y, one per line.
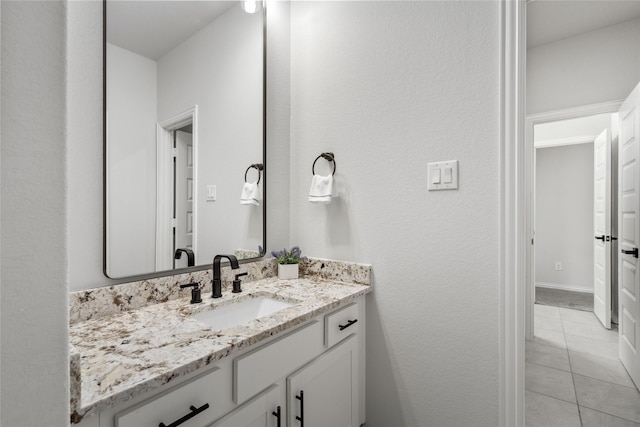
column 240, row 312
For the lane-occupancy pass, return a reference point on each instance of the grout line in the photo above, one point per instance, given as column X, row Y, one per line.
column 573, row 380
column 608, row 414
column 552, row 397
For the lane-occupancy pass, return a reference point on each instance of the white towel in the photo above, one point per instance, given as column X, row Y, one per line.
column 251, row 194
column 321, row 189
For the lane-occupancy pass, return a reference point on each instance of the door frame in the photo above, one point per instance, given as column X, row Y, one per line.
column 164, row 207
column 529, row 185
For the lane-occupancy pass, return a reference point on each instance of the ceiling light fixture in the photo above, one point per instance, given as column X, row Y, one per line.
column 249, row 6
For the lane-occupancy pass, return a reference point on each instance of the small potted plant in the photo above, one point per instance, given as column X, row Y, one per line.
column 288, row 262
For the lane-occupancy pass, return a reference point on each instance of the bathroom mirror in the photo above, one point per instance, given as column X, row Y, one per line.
column 184, row 121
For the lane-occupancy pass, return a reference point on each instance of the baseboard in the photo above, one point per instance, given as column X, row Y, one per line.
column 563, row 287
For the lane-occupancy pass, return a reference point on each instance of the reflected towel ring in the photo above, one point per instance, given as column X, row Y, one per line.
column 328, row 157
column 259, row 167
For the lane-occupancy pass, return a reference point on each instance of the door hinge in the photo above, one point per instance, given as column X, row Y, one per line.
column 532, row 241
column 174, row 153
column 173, row 222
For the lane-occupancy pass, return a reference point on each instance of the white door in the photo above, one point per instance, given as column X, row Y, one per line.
column 602, row 228
column 629, row 235
column 183, row 195
column 324, row 393
column 265, row 410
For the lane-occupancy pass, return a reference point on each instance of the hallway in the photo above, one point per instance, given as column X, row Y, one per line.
column 573, row 376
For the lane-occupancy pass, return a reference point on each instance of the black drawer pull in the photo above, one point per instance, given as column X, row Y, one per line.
column 301, row 417
column 194, row 411
column 633, row 252
column 349, row 323
column 600, row 238
column 276, row 414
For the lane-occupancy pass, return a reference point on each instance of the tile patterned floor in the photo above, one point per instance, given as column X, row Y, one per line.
column 573, row 376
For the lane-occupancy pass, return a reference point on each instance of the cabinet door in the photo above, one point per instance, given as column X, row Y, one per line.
column 325, row 392
column 261, row 411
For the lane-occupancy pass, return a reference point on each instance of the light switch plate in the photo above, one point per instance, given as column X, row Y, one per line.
column 443, row 166
column 211, row 193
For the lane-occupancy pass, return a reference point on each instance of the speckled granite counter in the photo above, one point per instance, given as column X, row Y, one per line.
column 129, row 353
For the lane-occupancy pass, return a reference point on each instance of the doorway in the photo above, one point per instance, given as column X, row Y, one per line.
column 571, row 358
column 601, row 71
column 574, row 187
column 176, row 220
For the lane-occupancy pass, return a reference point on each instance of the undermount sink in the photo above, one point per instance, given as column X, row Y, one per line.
column 240, row 312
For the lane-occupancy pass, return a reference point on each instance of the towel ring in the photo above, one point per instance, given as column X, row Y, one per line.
column 328, row 157
column 258, row 166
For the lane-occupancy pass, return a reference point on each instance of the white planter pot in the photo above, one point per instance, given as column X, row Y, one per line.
column 287, row 271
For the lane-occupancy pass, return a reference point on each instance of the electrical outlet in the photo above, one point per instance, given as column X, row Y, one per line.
column 558, row 266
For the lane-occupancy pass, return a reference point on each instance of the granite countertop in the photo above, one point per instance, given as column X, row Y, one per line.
column 126, row 354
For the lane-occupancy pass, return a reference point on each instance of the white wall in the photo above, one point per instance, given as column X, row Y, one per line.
column 217, row 69
column 564, row 216
column 34, row 320
column 132, row 118
column 388, row 87
column 599, row 66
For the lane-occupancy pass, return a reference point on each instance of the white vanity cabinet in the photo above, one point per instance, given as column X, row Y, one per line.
column 321, row 360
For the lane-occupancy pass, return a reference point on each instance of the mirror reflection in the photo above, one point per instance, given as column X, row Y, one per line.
column 184, row 134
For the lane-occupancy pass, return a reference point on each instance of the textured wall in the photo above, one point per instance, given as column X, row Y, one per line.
column 35, row 355
column 599, row 66
column 564, row 215
column 388, row 87
column 84, row 138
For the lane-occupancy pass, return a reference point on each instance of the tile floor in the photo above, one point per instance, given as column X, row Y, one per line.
column 573, row 376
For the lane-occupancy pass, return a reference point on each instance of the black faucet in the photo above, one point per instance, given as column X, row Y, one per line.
column 195, row 292
column 217, row 282
column 237, row 283
column 190, row 256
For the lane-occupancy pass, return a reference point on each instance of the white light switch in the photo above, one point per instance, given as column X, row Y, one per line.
column 211, row 193
column 447, row 176
column 444, row 175
column 435, row 177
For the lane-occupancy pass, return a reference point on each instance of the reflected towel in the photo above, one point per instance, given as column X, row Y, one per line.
column 251, row 194
column 321, row 189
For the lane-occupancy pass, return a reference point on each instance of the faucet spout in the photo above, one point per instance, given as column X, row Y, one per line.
column 217, row 281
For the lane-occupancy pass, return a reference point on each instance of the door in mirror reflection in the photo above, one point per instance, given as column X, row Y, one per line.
column 184, row 88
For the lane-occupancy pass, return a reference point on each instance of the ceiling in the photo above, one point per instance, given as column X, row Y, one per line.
column 552, row 20
column 153, row 28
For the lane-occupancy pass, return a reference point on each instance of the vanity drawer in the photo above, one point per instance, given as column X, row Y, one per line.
column 341, row 324
column 258, row 369
column 177, row 402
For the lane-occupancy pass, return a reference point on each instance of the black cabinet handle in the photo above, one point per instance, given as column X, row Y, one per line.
column 349, row 323
column 194, row 411
column 600, row 238
column 301, row 417
column 633, row 252
column 276, row 414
